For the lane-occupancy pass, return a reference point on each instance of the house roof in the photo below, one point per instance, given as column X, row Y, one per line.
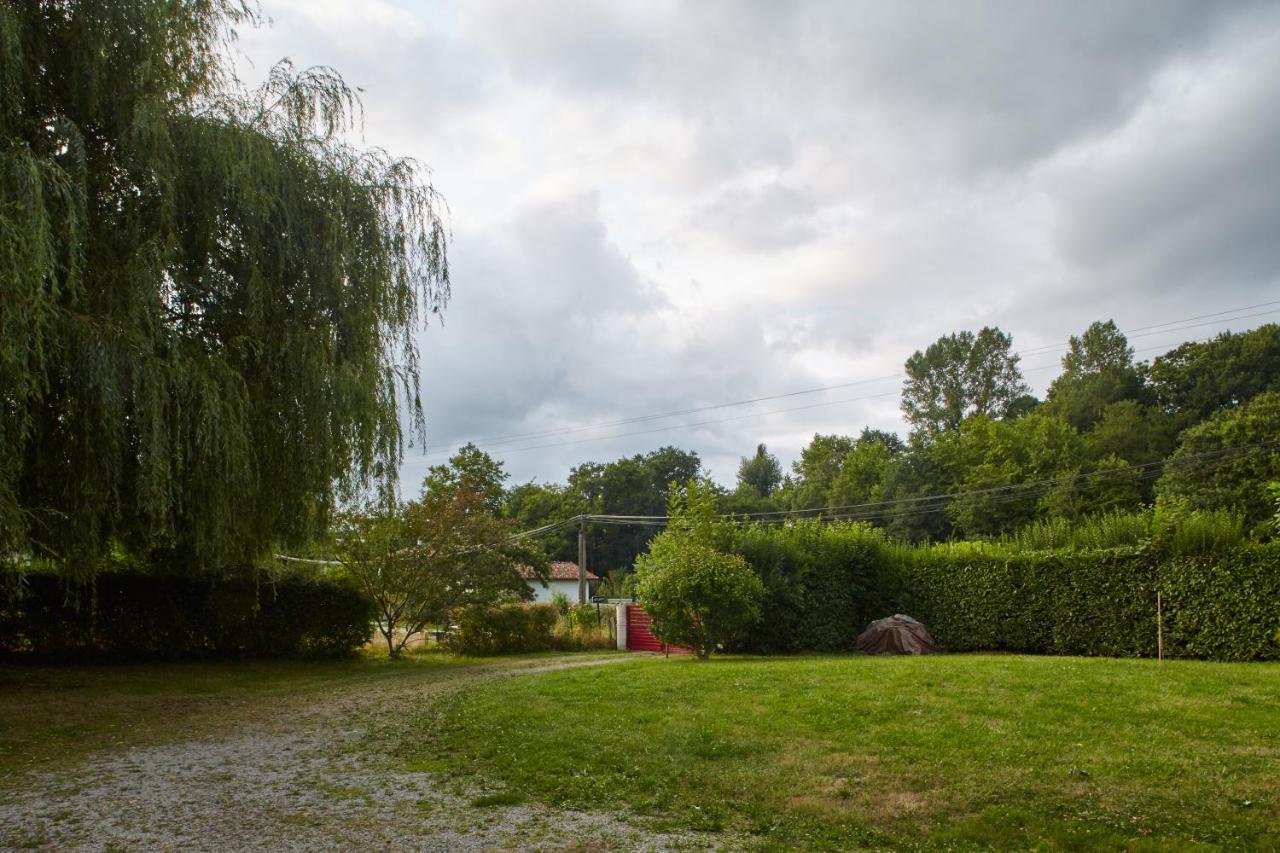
column 561, row 571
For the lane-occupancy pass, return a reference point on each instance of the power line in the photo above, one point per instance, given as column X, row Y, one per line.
column 746, row 416
column 703, row 423
column 675, row 412
column 517, row 437
column 1130, row 332
column 1214, row 456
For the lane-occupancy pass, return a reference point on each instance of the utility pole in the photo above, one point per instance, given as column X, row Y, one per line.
column 582, row 559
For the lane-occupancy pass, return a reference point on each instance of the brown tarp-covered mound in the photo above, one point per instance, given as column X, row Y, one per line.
column 896, row 635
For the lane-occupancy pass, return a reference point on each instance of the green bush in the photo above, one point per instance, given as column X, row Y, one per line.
column 823, row 583
column 584, row 626
column 136, row 615
column 503, row 629
column 1096, row 603
column 698, row 597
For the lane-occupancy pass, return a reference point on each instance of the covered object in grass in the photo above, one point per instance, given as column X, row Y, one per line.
column 896, row 635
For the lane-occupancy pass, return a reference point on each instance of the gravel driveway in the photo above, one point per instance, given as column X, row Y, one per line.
column 294, row 781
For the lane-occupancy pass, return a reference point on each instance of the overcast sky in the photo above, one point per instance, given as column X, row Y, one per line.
column 660, row 206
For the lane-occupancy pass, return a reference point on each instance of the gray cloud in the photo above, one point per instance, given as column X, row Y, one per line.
column 1181, row 199
column 666, row 205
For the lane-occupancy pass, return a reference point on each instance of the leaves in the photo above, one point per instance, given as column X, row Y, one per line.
column 208, row 297
column 422, row 560
column 959, row 375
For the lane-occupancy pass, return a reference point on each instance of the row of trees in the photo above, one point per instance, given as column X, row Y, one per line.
column 1112, row 433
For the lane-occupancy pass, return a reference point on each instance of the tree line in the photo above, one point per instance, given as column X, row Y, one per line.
column 1111, row 433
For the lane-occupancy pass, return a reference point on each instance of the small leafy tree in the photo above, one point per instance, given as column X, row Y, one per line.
column 960, row 375
column 420, row 561
column 697, row 596
column 761, row 474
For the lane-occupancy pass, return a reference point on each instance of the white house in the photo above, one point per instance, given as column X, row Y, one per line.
column 563, row 579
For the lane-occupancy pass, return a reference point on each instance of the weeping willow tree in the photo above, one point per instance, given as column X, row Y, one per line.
column 207, row 294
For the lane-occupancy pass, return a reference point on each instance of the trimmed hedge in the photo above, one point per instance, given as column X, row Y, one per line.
column 136, row 615
column 503, row 629
column 824, row 584
column 1223, row 606
column 1087, row 604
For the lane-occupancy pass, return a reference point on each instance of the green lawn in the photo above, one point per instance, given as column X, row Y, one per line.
column 957, row 752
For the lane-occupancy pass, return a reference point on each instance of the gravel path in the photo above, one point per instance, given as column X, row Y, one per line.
column 292, row 782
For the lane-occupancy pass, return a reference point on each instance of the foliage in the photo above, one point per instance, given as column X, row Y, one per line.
column 1054, row 587
column 862, row 474
column 533, row 505
column 987, row 454
column 125, row 614
column 420, row 561
column 208, row 297
column 817, row 469
column 1273, row 488
column 502, row 629
column 960, row 375
column 1097, row 371
column 1207, row 473
column 469, row 470
column 697, row 596
column 1217, row 605
column 1111, row 529
column 945, row 752
column 762, row 473
column 1133, row 431
column 1196, row 380
column 822, row 584
column 693, row 511
column 585, row 626
column 635, row 485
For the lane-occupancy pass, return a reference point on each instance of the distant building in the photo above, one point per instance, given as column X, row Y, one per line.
column 562, row 579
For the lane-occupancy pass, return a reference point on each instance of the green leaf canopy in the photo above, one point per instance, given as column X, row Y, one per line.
column 207, row 295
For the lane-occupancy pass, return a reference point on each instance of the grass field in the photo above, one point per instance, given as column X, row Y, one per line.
column 957, row 752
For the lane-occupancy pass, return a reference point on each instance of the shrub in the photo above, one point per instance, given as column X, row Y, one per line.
column 1173, row 528
column 583, row 626
column 129, row 614
column 1223, row 606
column 502, row 629
column 697, row 596
column 823, row 583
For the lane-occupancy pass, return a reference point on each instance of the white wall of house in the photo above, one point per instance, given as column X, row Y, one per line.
column 542, row 592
